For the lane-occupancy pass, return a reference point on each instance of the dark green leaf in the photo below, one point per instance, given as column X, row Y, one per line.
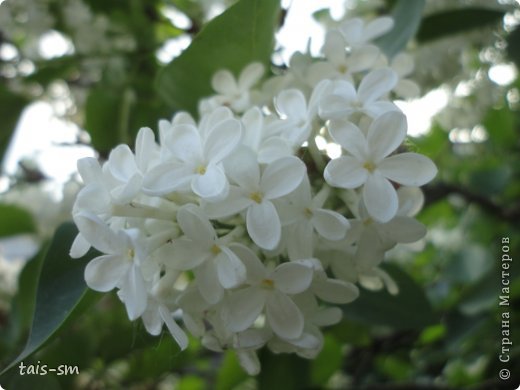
column 22, row 305
column 242, row 34
column 407, row 17
column 61, row 292
column 456, row 21
column 283, row 371
column 410, row 309
column 513, row 46
column 11, row 106
column 15, row 220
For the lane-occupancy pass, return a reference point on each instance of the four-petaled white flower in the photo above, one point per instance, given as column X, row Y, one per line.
column 119, row 266
column 255, row 192
column 369, row 164
column 269, row 290
column 214, row 263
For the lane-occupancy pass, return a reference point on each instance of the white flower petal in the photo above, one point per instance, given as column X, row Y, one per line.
column 145, row 148
column 209, row 286
column 223, row 82
column 330, row 224
column 242, row 168
column 196, row 225
column 385, row 134
column 250, row 75
column 165, row 178
column 403, row 230
column 222, row 139
column 375, row 109
column 230, row 270
column 183, row 254
column 282, row 177
column 334, row 47
column 349, row 137
column 283, row 316
column 345, row 172
column 409, row 169
column 363, row 58
column 407, row 89
column 253, row 121
column 255, row 269
column 185, row 143
column 79, row 247
column 376, row 83
column 98, row 234
column 335, row 290
column 380, row 198
column 235, row 202
column 263, row 225
column 104, row 272
column 177, row 333
column 212, row 185
column 274, row 149
column 403, row 64
column 243, row 307
column 299, row 240
column 248, row 361
column 292, row 278
column 378, row 27
column 291, row 103
column 121, row 163
column 134, row 293
column 89, row 170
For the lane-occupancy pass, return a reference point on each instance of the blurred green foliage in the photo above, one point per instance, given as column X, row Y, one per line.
column 443, row 330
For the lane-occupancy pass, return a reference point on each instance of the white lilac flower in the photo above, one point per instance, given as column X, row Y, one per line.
column 214, row 263
column 196, row 161
column 297, row 116
column 270, row 291
column 303, row 215
column 343, row 100
column 254, row 192
column 129, row 170
column 341, row 63
column 370, row 165
column 232, row 92
column 358, row 33
column 310, row 343
column 119, row 266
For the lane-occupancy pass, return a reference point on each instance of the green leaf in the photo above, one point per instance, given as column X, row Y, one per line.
column 327, row 362
column 22, row 305
column 239, row 36
column 11, row 107
column 456, row 21
column 283, row 371
column 102, row 119
column 407, row 17
column 410, row 309
column 513, row 46
column 230, row 373
column 15, row 220
column 61, row 292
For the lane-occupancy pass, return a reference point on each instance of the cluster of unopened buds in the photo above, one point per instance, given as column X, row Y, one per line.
column 239, row 226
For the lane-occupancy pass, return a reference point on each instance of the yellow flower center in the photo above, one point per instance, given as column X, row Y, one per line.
column 369, row 166
column 215, row 249
column 256, row 196
column 308, row 212
column 201, row 170
column 267, row 283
